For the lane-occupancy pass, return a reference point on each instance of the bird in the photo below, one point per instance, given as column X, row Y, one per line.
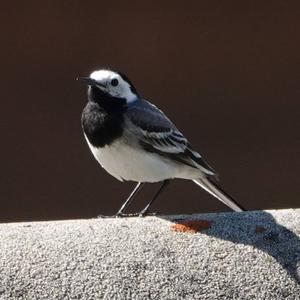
column 133, row 140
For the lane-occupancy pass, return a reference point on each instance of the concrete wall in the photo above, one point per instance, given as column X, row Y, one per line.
column 251, row 255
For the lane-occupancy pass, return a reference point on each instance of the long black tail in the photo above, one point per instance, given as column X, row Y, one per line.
column 215, row 190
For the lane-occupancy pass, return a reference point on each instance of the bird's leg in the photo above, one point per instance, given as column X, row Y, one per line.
column 146, row 209
column 129, row 200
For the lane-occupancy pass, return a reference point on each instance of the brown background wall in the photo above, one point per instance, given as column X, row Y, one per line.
column 226, row 72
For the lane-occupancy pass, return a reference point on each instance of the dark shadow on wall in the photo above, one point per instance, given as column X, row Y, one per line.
column 258, row 229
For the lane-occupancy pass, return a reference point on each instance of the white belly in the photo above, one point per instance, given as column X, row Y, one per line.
column 128, row 163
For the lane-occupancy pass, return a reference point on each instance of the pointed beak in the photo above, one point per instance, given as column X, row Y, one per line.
column 89, row 81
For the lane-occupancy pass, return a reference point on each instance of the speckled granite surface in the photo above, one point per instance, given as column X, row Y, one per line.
column 251, row 255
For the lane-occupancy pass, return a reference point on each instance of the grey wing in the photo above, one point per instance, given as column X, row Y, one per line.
column 156, row 133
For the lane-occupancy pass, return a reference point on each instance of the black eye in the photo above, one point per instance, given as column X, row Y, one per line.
column 114, row 82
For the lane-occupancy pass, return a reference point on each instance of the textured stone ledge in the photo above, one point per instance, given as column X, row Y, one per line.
column 251, row 255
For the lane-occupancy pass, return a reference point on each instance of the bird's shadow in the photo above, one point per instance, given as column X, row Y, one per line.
column 258, row 229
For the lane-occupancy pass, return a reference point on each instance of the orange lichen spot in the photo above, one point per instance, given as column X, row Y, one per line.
column 260, row 229
column 191, row 226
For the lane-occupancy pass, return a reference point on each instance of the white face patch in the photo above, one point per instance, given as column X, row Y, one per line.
column 112, row 83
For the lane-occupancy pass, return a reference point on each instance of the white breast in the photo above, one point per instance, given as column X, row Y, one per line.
column 131, row 163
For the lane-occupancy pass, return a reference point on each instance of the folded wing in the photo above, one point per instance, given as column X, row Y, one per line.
column 156, row 133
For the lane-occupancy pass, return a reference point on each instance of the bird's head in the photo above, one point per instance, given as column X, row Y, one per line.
column 110, row 86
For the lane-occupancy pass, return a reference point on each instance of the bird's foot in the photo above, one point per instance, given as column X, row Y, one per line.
column 141, row 214
column 122, row 215
column 117, row 215
column 105, row 217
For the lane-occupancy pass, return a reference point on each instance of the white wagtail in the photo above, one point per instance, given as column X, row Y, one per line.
column 134, row 140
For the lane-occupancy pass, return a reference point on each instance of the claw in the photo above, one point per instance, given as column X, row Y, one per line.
column 143, row 214
column 121, row 215
column 118, row 215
